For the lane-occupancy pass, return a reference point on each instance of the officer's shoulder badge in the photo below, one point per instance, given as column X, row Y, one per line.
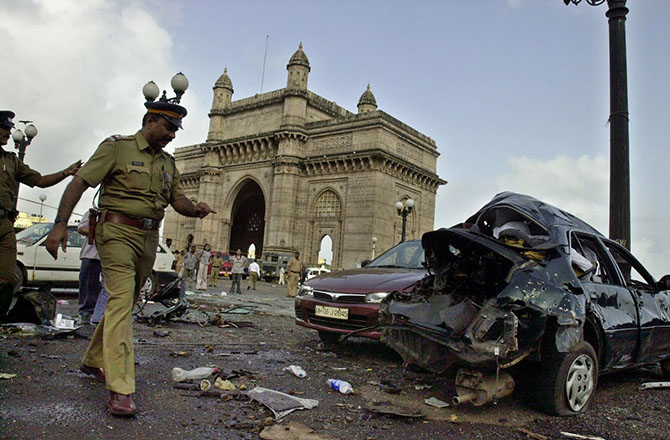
column 119, row 137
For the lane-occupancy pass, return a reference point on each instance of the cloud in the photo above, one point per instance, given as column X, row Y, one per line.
column 77, row 69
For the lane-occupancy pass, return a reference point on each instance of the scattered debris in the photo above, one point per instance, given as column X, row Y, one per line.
column 291, row 431
column 390, row 388
column 533, row 435
column 279, row 403
column 652, row 385
column 389, row 408
column 50, row 356
column 64, row 322
column 225, row 385
column 239, row 310
column 189, row 293
column 180, row 375
column 422, row 387
column 437, row 403
column 8, row 375
column 341, row 386
column 581, row 437
column 162, row 333
column 179, row 354
column 30, row 329
column 296, row 370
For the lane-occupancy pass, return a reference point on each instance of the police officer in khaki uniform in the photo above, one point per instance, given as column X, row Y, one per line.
column 13, row 171
column 138, row 181
column 295, row 268
column 217, row 262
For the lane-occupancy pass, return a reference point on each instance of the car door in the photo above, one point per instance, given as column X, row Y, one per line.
column 654, row 305
column 65, row 268
column 613, row 305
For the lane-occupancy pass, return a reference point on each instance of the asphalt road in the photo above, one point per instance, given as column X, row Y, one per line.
column 50, row 399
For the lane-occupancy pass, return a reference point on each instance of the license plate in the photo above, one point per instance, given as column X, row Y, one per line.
column 332, row 312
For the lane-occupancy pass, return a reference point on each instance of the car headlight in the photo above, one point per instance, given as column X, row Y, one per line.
column 305, row 291
column 376, row 297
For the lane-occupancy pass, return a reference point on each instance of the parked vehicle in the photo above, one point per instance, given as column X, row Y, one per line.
column 523, row 291
column 271, row 262
column 340, row 302
column 312, row 272
column 35, row 266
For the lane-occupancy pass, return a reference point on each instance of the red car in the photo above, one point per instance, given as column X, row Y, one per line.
column 340, row 302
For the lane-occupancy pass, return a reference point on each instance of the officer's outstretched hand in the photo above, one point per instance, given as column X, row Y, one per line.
column 57, row 236
column 202, row 210
column 72, row 169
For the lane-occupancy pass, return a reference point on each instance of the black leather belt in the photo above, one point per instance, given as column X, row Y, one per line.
column 146, row 224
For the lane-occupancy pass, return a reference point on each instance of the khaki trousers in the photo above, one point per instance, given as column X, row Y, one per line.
column 214, row 276
column 7, row 265
column 293, row 279
column 127, row 256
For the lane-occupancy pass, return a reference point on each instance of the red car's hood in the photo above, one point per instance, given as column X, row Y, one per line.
column 367, row 280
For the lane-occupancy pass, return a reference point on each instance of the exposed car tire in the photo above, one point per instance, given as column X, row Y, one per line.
column 20, row 278
column 149, row 286
column 329, row 337
column 567, row 380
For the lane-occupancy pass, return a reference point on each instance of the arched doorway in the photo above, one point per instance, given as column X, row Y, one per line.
column 326, row 252
column 248, row 219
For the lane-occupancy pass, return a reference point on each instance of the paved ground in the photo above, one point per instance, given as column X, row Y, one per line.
column 49, row 399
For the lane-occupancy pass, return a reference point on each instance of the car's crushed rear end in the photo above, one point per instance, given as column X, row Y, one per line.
column 486, row 304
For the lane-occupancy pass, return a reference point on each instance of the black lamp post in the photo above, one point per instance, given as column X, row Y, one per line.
column 404, row 209
column 21, row 140
column 619, row 146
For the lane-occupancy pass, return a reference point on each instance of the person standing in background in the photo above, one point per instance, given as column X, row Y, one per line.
column 179, row 262
column 239, row 262
column 89, row 274
column 203, row 259
column 254, row 274
column 217, row 262
column 295, row 268
column 282, row 275
column 189, row 265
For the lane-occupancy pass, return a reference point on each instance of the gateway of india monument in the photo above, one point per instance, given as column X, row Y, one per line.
column 287, row 168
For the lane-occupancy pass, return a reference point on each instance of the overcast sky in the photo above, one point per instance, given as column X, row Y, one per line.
column 514, row 92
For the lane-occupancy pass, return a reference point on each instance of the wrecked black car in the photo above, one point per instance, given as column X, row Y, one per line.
column 525, row 287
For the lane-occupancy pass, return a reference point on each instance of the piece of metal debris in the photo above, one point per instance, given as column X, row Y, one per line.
column 437, row 403
column 533, row 435
column 652, row 385
column 291, row 431
column 8, row 375
column 389, row 408
column 279, row 403
column 581, row 437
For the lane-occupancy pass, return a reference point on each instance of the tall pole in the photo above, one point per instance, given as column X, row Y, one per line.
column 404, row 225
column 619, row 141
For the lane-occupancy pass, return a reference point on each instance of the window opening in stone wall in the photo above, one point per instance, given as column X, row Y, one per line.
column 328, row 205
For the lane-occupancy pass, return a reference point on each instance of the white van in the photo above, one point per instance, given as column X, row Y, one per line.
column 35, row 266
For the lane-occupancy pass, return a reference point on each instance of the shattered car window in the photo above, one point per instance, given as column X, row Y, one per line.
column 408, row 255
column 632, row 271
column 511, row 227
column 588, row 249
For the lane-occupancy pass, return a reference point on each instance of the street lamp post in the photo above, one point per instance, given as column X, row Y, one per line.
column 404, row 209
column 179, row 84
column 21, row 140
column 43, row 197
column 619, row 142
column 374, row 244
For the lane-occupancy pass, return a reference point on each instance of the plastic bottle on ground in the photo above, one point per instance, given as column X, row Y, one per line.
column 180, row 375
column 341, row 386
column 297, row 370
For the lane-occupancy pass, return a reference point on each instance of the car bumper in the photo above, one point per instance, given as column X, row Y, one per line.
column 360, row 316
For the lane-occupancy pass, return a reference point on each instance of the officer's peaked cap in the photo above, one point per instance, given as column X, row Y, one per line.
column 172, row 112
column 6, row 119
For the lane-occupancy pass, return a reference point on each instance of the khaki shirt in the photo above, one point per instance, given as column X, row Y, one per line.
column 12, row 170
column 217, row 261
column 295, row 265
column 135, row 181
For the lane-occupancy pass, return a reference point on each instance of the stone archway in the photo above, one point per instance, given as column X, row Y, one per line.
column 248, row 219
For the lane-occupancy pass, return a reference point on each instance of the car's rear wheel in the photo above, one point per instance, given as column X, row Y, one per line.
column 329, row 337
column 149, row 286
column 568, row 380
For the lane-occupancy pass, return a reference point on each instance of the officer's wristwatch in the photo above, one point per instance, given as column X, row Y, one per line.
column 60, row 220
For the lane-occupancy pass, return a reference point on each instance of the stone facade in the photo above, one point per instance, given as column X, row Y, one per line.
column 286, row 168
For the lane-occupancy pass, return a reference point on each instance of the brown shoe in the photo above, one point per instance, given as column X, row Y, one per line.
column 98, row 373
column 121, row 405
